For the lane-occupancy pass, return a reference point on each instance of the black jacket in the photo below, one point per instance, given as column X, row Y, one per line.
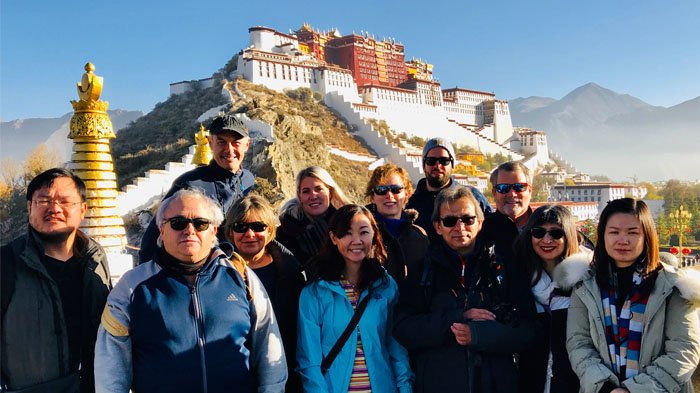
column 289, row 281
column 406, row 252
column 423, row 201
column 218, row 183
column 303, row 237
column 34, row 338
column 434, row 298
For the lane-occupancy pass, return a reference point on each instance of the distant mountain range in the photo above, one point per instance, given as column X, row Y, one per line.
column 606, row 133
column 19, row 137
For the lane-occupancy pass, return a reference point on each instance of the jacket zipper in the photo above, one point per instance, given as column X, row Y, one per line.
column 199, row 324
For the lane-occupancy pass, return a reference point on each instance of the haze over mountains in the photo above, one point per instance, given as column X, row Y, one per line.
column 606, row 133
column 19, row 137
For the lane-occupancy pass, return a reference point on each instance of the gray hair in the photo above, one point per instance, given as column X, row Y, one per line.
column 511, row 166
column 452, row 194
column 216, row 215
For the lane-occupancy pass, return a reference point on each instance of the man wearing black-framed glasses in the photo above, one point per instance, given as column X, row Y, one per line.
column 55, row 282
column 438, row 163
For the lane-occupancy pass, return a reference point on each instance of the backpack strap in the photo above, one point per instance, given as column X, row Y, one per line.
column 328, row 360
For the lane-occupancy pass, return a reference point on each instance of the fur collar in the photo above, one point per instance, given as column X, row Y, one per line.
column 687, row 281
column 574, row 268
column 577, row 267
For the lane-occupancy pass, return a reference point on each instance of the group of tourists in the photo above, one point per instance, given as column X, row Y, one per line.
column 431, row 290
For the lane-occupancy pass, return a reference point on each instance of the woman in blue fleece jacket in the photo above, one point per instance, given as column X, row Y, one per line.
column 348, row 270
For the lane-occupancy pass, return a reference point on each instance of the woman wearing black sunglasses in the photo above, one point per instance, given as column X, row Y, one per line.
column 250, row 227
column 388, row 190
column 548, row 237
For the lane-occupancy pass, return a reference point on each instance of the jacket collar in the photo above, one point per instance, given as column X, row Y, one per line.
column 422, row 187
column 224, row 172
column 577, row 268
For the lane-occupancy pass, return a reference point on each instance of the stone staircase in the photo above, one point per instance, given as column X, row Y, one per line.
column 147, row 189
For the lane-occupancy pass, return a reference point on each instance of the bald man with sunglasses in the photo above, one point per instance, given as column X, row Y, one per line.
column 193, row 319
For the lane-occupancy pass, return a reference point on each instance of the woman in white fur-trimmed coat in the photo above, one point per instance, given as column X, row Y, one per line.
column 652, row 344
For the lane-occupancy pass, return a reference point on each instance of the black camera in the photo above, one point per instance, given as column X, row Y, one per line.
column 505, row 314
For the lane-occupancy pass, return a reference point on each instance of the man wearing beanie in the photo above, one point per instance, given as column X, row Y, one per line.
column 438, row 163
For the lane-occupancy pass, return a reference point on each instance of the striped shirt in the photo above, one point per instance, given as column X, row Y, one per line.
column 359, row 380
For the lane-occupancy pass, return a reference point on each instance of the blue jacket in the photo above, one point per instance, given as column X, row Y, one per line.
column 216, row 182
column 159, row 334
column 324, row 312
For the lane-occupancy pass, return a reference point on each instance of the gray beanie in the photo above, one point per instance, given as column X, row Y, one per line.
column 439, row 142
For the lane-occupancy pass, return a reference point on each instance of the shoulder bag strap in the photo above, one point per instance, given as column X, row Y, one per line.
column 328, row 360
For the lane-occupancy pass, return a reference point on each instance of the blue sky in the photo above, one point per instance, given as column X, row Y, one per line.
column 516, row 49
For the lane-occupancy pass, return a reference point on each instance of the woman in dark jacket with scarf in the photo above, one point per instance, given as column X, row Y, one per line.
column 405, row 243
column 250, row 227
column 303, row 220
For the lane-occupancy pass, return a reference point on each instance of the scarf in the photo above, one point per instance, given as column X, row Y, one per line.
column 177, row 267
column 624, row 329
column 393, row 225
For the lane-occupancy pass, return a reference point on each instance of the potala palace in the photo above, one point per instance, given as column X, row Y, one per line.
column 364, row 78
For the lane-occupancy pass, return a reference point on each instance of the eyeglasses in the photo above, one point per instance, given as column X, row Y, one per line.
column 431, row 161
column 50, row 202
column 383, row 190
column 504, row 188
column 450, row 221
column 179, row 223
column 242, row 227
column 539, row 233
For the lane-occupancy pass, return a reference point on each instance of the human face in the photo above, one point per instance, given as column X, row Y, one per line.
column 356, row 244
column 187, row 245
column 228, row 149
column 251, row 244
column 438, row 175
column 391, row 205
column 512, row 204
column 624, row 240
column 461, row 237
column 548, row 248
column 57, row 223
column 314, row 196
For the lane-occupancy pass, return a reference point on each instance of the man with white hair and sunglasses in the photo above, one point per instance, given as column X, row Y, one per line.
column 192, row 318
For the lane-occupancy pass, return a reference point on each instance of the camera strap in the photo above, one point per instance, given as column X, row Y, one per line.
column 328, row 360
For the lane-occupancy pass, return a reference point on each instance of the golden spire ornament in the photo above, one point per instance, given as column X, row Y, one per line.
column 202, row 152
column 91, row 129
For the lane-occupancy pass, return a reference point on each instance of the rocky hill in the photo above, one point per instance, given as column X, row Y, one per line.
column 303, row 127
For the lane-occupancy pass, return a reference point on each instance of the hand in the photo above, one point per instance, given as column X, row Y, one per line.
column 462, row 333
column 479, row 314
column 620, row 390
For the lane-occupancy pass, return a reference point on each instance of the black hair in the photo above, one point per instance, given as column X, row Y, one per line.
column 649, row 259
column 546, row 214
column 329, row 264
column 46, row 178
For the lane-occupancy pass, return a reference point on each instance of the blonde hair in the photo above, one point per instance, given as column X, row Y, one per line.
column 337, row 196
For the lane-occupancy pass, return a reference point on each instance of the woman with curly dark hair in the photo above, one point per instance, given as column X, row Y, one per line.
column 548, row 237
column 348, row 279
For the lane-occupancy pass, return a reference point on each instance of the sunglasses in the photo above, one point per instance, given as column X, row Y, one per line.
column 383, row 190
column 242, row 227
column 539, row 233
column 179, row 223
column 505, row 188
column 431, row 161
column 450, row 221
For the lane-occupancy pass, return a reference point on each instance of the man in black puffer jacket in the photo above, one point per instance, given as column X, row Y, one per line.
column 466, row 311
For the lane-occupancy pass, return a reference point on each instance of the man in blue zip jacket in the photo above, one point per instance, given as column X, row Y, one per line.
column 192, row 319
column 222, row 180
